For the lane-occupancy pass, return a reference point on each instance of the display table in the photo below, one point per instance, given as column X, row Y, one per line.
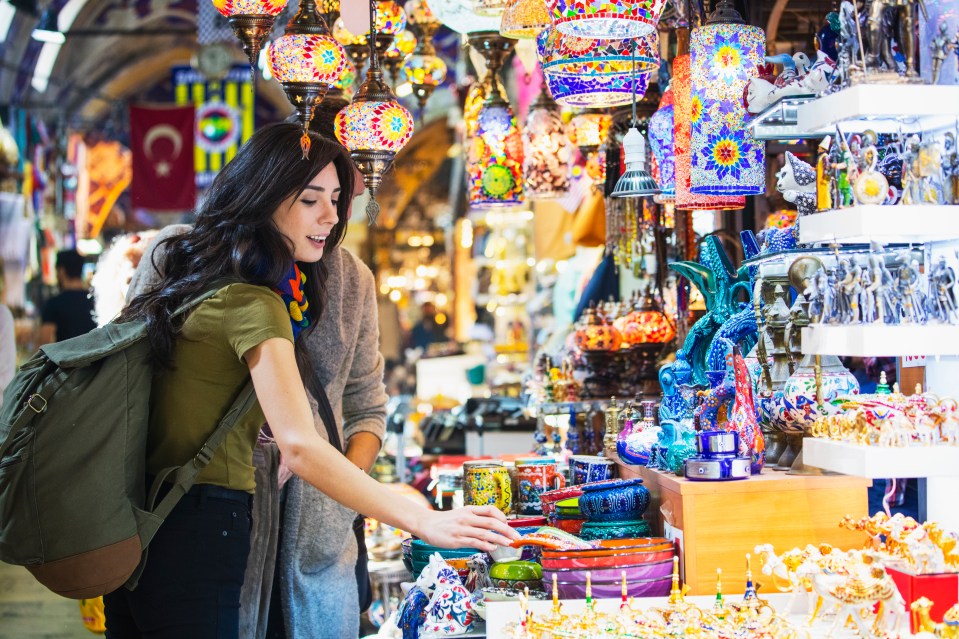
column 717, row 523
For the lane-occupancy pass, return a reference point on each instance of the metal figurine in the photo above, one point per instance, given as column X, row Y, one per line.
column 942, row 297
column 886, row 297
column 950, row 168
column 882, row 15
column 909, row 286
column 869, row 281
column 849, row 46
column 941, row 46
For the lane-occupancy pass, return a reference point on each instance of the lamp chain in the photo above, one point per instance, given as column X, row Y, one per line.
column 633, row 82
column 374, row 62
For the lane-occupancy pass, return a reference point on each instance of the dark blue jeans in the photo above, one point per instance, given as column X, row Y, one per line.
column 190, row 588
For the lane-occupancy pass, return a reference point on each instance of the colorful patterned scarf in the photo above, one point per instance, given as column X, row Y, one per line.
column 291, row 289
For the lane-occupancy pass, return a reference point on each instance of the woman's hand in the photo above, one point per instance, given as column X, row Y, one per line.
column 482, row 527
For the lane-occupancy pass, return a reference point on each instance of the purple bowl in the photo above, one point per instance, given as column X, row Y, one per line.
column 612, row 575
column 647, row 588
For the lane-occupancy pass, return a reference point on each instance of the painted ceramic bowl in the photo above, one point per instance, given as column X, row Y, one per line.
column 524, row 522
column 645, row 588
column 614, row 500
column 609, row 561
column 569, row 524
column 548, row 499
column 508, row 594
column 515, row 570
column 614, row 529
column 534, row 585
column 568, row 507
column 654, row 570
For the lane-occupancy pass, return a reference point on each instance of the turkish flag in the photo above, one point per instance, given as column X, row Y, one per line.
column 161, row 139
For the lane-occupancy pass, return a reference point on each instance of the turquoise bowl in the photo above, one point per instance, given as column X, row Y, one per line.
column 593, row 530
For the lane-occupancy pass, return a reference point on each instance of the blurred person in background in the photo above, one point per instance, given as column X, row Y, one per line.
column 8, row 342
column 427, row 331
column 69, row 313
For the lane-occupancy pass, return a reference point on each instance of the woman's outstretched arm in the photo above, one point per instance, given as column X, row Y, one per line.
column 287, row 410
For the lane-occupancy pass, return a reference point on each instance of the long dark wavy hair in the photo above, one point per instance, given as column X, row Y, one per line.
column 234, row 238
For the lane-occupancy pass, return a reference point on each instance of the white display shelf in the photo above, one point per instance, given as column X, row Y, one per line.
column 938, row 464
column 876, row 462
column 885, row 108
column 887, row 224
column 879, row 340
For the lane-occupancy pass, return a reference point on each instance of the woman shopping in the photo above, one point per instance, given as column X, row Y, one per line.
column 264, row 226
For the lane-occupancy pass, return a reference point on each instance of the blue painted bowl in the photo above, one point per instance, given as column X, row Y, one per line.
column 614, row 500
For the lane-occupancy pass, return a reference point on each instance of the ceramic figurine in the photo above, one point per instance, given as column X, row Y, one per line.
column 713, row 408
column 797, row 182
column 848, row 61
column 799, row 78
column 942, row 297
column 743, row 418
column 922, row 171
column 824, row 201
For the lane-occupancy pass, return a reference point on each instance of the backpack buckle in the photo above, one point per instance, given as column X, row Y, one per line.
column 38, row 398
column 204, row 456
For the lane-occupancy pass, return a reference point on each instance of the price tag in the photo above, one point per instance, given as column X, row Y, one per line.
column 913, row 361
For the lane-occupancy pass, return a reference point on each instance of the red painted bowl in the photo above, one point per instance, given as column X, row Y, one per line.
column 646, row 588
column 654, row 570
column 550, row 497
column 608, row 561
column 572, row 525
column 522, row 522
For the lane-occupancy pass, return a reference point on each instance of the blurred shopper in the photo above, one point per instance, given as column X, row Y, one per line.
column 8, row 341
column 427, row 331
column 69, row 313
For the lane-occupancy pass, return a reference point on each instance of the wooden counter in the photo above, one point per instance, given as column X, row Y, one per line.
column 719, row 522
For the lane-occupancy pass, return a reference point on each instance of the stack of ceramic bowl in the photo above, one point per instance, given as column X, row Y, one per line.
column 517, row 575
column 561, row 508
column 647, row 563
column 417, row 553
column 614, row 509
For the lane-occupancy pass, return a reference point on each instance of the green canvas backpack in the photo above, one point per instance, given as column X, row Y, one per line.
column 73, row 429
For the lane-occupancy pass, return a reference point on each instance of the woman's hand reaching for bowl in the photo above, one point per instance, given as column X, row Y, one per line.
column 482, row 527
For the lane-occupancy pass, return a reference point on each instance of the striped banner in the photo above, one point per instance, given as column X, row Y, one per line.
column 224, row 116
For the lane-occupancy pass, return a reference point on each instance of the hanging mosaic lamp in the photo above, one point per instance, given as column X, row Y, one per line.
column 473, row 104
column 390, row 20
column 682, row 116
column 494, row 159
column 661, row 143
column 356, row 46
column 562, row 54
column 606, row 18
column 306, row 60
column 589, row 131
column 374, row 127
column 594, row 92
column 489, row 8
column 546, row 151
column 423, row 69
column 635, row 181
column 404, row 43
column 726, row 158
column 251, row 21
column 458, row 15
column 524, row 19
column 344, row 82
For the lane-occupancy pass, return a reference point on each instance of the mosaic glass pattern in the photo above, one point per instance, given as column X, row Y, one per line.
column 661, row 143
column 494, row 160
column 595, row 92
column 307, row 58
column 546, row 154
column 347, row 78
column 682, row 105
column 475, row 98
column 726, row 159
column 249, row 7
column 524, row 18
column 403, row 44
column 424, row 70
column 346, row 37
column 458, row 15
column 606, row 18
column 589, row 129
column 562, row 54
column 390, row 18
column 374, row 126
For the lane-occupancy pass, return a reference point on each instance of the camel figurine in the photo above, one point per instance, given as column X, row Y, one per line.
column 947, row 629
column 856, row 596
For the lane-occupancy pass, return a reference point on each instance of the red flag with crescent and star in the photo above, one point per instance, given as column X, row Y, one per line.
column 161, row 139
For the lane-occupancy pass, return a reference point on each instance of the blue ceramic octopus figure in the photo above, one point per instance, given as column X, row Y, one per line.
column 739, row 330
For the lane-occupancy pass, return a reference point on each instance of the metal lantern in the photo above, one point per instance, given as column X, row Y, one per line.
column 306, row 60
column 606, row 18
column 423, row 69
column 524, row 19
column 726, row 157
column 546, row 151
column 251, row 21
column 595, row 92
column 374, row 127
column 494, row 160
column 329, row 10
column 562, row 54
column 683, row 115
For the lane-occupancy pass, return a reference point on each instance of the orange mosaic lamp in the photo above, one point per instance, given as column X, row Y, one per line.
column 251, row 21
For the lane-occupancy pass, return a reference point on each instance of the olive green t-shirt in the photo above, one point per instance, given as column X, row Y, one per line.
column 209, row 372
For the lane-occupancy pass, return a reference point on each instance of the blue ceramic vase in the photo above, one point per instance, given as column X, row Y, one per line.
column 614, row 500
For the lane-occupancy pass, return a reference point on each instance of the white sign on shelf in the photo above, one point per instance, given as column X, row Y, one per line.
column 913, row 361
